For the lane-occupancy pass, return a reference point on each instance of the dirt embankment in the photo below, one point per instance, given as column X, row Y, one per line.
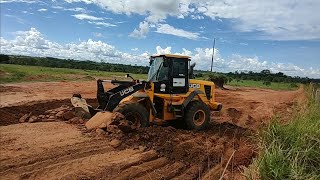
column 22, row 93
column 58, row 150
column 10, row 115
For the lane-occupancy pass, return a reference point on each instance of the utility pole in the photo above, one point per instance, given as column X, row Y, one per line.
column 214, row 43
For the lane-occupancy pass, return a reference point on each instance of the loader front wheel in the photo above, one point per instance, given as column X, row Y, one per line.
column 197, row 115
column 135, row 113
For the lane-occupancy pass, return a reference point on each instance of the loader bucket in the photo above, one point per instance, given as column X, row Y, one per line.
column 80, row 102
column 81, row 107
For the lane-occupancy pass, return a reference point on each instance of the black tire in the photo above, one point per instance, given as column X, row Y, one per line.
column 197, row 115
column 136, row 113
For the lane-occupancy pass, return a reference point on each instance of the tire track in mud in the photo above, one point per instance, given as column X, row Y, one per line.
column 72, row 162
column 166, row 172
column 62, row 154
column 95, row 159
column 89, row 165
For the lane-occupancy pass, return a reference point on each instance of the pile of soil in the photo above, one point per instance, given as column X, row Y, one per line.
column 11, row 115
column 205, row 148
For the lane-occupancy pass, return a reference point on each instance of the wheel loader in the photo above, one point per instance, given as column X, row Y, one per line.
column 170, row 93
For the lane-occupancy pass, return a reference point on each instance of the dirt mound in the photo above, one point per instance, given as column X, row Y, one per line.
column 202, row 148
column 11, row 115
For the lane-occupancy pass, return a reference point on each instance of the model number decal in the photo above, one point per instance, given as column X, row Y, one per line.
column 197, row 86
column 126, row 91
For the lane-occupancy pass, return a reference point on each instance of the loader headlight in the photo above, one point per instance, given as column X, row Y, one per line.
column 162, row 87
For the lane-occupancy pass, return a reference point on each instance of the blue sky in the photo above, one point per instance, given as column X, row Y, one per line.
column 250, row 35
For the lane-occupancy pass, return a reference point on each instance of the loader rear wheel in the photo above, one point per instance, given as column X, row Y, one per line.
column 197, row 115
column 135, row 113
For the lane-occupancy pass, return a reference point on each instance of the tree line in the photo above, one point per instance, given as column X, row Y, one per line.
column 72, row 64
column 265, row 75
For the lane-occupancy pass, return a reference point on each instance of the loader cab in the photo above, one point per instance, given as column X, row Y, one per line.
column 169, row 73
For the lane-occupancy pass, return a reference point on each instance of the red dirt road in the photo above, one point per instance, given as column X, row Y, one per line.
column 57, row 150
column 253, row 107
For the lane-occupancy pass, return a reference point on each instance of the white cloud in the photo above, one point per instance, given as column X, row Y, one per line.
column 42, row 10
column 105, row 24
column 32, row 39
column 94, row 20
column 57, row 7
column 166, row 50
column 155, row 10
column 167, row 29
column 196, row 16
column 85, row 1
column 142, row 31
column 18, row 1
column 33, row 43
column 87, row 17
column 241, row 63
column 274, row 19
column 202, row 58
column 281, row 20
column 77, row 9
column 134, row 49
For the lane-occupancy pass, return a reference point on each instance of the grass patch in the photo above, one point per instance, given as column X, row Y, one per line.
column 259, row 84
column 290, row 151
column 21, row 73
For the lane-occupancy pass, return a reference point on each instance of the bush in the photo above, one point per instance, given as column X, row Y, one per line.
column 267, row 83
column 198, row 75
column 291, row 151
column 293, row 85
column 219, row 80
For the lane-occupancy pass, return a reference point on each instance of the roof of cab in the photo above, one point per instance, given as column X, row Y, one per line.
column 171, row 55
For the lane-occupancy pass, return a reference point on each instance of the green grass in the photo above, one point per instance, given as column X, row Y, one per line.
column 21, row 73
column 290, row 151
column 259, row 84
column 18, row 73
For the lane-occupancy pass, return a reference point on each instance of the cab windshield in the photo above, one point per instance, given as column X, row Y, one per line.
column 155, row 64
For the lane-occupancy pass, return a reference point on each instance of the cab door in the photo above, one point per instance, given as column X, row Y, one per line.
column 179, row 76
column 162, row 82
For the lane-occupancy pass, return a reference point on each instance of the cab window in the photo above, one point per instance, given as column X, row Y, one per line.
column 163, row 74
column 179, row 68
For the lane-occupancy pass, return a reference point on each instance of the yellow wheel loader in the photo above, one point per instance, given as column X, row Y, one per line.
column 170, row 93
